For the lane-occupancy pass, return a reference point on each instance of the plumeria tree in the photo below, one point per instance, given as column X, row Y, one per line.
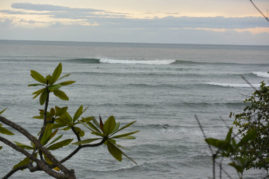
column 38, row 152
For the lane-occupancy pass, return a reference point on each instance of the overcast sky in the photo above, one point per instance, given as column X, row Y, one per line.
column 149, row 21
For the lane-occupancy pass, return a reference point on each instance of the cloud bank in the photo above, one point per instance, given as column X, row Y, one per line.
column 35, row 18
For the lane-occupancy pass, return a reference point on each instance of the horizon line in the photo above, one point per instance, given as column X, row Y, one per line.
column 141, row 43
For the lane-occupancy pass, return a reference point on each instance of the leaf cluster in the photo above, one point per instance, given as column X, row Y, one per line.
column 255, row 116
column 49, row 84
column 231, row 148
column 88, row 132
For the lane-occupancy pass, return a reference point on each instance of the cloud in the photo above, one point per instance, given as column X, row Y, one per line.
column 51, row 21
column 42, row 7
column 62, row 11
column 120, row 20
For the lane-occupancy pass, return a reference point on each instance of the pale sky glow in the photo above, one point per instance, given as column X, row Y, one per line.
column 150, row 21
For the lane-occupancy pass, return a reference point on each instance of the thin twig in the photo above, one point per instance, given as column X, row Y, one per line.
column 224, row 122
column 258, row 9
column 80, row 147
column 253, row 87
column 203, row 132
column 210, row 148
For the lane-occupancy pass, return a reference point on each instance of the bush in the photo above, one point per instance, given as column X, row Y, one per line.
column 38, row 154
column 256, row 117
column 248, row 147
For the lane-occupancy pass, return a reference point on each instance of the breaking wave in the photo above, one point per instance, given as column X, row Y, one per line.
column 147, row 62
column 233, row 85
column 261, row 74
column 117, row 61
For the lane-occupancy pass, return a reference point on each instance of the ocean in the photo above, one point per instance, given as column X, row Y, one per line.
column 160, row 86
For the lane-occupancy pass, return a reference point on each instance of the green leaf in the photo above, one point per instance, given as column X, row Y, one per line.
column 67, row 118
column 54, row 87
column 38, row 92
column 43, row 97
column 229, row 135
column 60, row 94
column 24, row 162
column 2, row 111
column 129, row 157
column 59, row 125
column 48, row 134
column 64, row 76
column 56, row 139
column 35, row 84
column 49, row 79
column 127, row 125
column 80, row 132
column 66, row 128
column 60, row 111
column 57, row 73
column 86, row 119
column 114, row 151
column 86, row 141
column 1, row 147
column 116, row 128
column 23, row 146
column 5, row 131
column 38, row 77
column 125, row 135
column 128, row 137
column 65, row 83
column 251, row 134
column 60, row 144
column 97, row 133
column 109, row 125
column 78, row 113
column 92, row 127
column 220, row 144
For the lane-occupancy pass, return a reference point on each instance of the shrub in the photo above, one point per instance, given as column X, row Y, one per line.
column 256, row 117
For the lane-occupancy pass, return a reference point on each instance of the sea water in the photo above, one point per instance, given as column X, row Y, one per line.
column 160, row 86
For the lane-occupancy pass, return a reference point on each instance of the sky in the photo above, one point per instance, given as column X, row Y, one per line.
column 144, row 21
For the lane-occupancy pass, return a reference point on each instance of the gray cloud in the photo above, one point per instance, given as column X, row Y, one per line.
column 44, row 7
column 119, row 20
column 62, row 11
column 118, row 27
column 98, row 34
column 185, row 22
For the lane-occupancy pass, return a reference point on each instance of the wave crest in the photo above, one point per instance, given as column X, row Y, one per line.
column 146, row 62
column 261, row 74
column 233, row 85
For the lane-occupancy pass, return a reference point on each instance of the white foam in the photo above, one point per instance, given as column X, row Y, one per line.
column 261, row 74
column 147, row 62
column 235, row 85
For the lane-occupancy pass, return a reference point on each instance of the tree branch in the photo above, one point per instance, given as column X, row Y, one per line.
column 38, row 145
column 44, row 120
column 80, row 147
column 14, row 170
column 40, row 163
